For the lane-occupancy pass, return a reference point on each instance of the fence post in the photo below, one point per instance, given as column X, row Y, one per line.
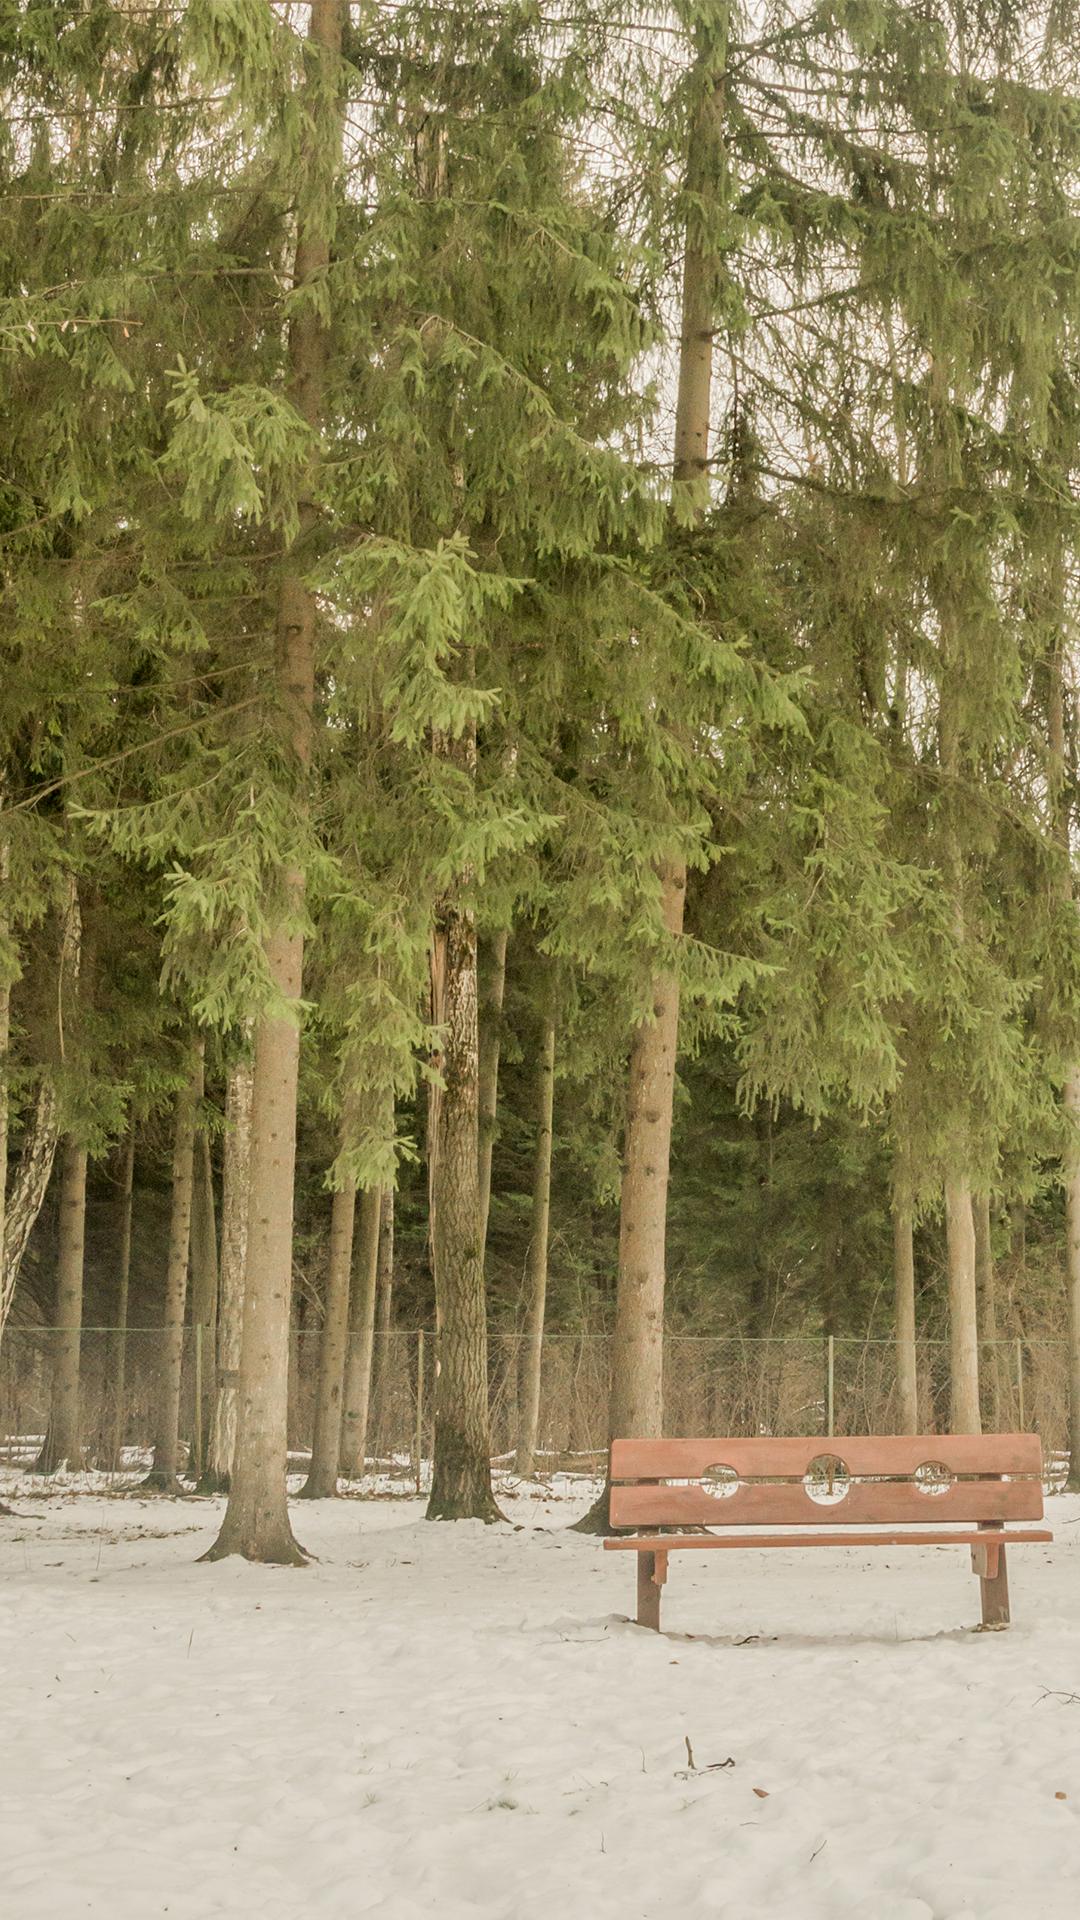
column 830, row 1386
column 1020, row 1385
column 419, row 1405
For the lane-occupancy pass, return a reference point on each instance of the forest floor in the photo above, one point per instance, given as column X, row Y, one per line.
column 459, row 1720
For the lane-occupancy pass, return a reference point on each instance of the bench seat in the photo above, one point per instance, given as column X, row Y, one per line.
column 912, row 1489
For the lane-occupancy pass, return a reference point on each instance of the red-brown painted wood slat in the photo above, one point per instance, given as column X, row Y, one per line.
column 1013, row 1453
column 696, row 1542
column 789, row 1503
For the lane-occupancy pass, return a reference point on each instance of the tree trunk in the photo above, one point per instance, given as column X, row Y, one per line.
column 164, row 1474
column 6, row 976
column 322, row 1480
column 1072, row 1275
column 256, row 1522
column 27, row 1194
column 1060, row 795
column 204, row 1292
column 637, row 1399
column 907, row 1379
column 964, row 1416
column 986, row 1294
column 384, row 1305
column 536, row 1266
column 235, row 1193
column 461, row 1474
column 361, row 1337
column 123, row 1285
column 638, row 1360
column 63, row 1443
column 493, row 989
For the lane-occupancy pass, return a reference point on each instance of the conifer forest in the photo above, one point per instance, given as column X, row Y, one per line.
column 539, row 910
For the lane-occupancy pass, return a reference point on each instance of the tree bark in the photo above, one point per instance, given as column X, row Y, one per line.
column 907, row 1379
column 637, row 1399
column 204, row 1290
column 256, row 1522
column 322, row 1480
column 536, row 1265
column 123, row 1286
column 493, row 989
column 1072, row 1277
column 964, row 1415
column 24, row 1201
column 954, row 759
column 235, row 1192
column 63, row 1442
column 164, row 1473
column 986, row 1292
column 461, row 1473
column 1061, row 821
column 384, row 1307
column 5, row 1045
column 638, row 1359
column 361, row 1337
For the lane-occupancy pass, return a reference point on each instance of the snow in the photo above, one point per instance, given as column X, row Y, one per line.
column 459, row 1720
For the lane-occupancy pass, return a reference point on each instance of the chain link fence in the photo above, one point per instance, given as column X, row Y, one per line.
column 711, row 1385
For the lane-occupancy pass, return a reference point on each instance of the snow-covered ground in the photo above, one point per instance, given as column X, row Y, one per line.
column 459, row 1720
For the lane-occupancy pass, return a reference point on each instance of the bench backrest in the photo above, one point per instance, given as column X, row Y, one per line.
column 918, row 1479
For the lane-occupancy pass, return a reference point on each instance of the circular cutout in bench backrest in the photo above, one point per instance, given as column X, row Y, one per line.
column 720, row 1481
column 933, row 1477
column 827, row 1480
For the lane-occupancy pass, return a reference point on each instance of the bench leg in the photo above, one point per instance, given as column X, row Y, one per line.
column 651, row 1575
column 989, row 1563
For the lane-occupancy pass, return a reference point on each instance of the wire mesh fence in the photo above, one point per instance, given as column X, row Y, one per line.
column 724, row 1385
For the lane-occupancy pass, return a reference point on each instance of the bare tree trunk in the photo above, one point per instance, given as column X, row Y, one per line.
column 1061, row 819
column 907, row 1378
column 964, row 1415
column 164, row 1473
column 256, row 1522
column 637, row 1398
column 953, row 756
column 492, row 989
column 638, row 1359
column 638, row 1363
column 27, row 1194
column 1018, row 1230
column 322, row 1480
column 461, row 1474
column 986, row 1292
column 361, row 1337
column 24, row 1201
column 63, row 1441
column 6, row 977
column 235, row 1193
column 123, row 1285
column 384, row 1304
column 204, row 1292
column 1072, row 1275
column 536, row 1266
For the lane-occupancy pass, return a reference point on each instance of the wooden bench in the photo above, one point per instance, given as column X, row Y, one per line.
column 940, row 1489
